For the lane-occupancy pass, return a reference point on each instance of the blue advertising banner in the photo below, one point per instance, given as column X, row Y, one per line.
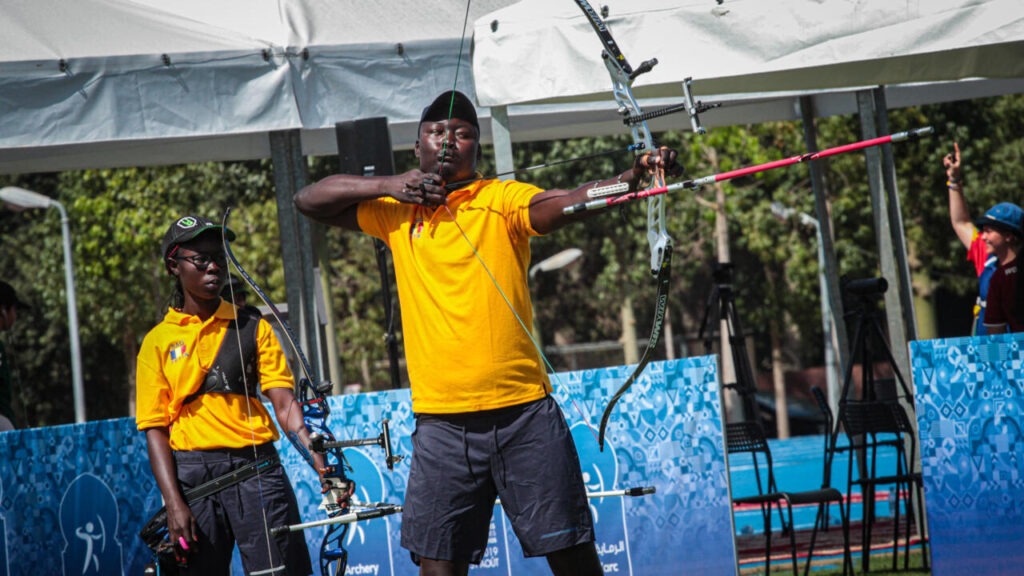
column 969, row 394
column 72, row 498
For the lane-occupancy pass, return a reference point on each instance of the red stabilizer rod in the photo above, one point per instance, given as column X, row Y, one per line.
column 898, row 137
column 698, row 182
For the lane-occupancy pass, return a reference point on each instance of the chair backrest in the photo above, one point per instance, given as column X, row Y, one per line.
column 749, row 437
column 826, row 411
column 873, row 417
column 830, row 430
column 745, row 436
column 903, row 423
column 866, row 420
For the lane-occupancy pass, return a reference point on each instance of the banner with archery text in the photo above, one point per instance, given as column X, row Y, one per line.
column 72, row 498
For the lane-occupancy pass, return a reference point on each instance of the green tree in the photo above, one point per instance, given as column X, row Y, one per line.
column 118, row 217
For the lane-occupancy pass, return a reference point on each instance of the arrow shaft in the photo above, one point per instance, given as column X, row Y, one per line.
column 746, row 171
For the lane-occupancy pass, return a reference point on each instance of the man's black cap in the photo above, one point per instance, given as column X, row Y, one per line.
column 8, row 297
column 451, row 104
column 188, row 228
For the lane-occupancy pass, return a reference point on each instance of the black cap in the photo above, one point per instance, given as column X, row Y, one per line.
column 8, row 297
column 188, row 228
column 451, row 104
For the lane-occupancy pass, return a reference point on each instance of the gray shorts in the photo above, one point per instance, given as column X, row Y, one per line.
column 461, row 462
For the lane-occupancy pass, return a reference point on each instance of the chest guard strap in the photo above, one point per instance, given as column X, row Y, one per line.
column 225, row 375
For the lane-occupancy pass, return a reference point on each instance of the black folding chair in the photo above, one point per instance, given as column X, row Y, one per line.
column 749, row 437
column 873, row 426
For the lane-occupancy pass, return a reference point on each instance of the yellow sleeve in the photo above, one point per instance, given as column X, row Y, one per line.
column 516, row 198
column 152, row 390
column 273, row 366
column 378, row 217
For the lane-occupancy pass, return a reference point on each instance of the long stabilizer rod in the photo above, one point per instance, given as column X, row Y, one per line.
column 602, row 203
column 631, row 492
column 634, row 492
column 381, row 509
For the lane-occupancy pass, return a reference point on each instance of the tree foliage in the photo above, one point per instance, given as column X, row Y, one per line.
column 118, row 217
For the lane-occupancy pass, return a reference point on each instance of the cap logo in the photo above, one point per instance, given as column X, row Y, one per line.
column 187, row 222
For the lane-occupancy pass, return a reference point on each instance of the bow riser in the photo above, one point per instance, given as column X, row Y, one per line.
column 622, row 77
column 311, row 396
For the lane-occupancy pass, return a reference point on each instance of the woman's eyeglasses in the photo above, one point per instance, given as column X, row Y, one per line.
column 202, row 261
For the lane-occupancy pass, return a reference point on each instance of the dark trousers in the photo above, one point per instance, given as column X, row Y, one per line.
column 244, row 514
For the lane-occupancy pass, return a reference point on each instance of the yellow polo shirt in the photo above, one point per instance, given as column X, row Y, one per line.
column 465, row 349
column 172, row 363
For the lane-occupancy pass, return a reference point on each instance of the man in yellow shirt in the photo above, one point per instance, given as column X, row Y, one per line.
column 486, row 424
column 198, row 379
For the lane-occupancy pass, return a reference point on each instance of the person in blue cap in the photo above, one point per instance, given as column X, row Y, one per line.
column 986, row 256
column 1001, row 227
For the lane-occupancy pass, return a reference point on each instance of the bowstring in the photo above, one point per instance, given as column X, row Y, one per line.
column 529, row 333
column 522, row 324
column 245, row 386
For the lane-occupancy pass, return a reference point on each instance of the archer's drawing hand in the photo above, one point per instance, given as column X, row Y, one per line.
column 421, row 188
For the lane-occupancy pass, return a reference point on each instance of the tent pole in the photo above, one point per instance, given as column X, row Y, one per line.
column 836, row 344
column 501, row 135
column 290, row 175
column 889, row 232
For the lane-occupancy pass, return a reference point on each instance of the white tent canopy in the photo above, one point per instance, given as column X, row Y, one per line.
column 100, row 83
column 754, row 56
column 97, row 83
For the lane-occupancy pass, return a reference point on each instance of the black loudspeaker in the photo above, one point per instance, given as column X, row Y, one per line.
column 364, row 147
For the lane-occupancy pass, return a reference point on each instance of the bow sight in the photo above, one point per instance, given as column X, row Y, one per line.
column 320, row 444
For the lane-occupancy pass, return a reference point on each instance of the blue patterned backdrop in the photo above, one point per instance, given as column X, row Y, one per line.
column 72, row 498
column 969, row 396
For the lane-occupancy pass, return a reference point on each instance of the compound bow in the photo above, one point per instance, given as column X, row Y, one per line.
column 312, row 397
column 622, row 77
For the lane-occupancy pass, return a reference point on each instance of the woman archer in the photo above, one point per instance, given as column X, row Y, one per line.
column 199, row 375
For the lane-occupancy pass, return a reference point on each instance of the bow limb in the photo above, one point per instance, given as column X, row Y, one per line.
column 307, row 370
column 329, row 461
column 622, row 76
column 311, row 397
